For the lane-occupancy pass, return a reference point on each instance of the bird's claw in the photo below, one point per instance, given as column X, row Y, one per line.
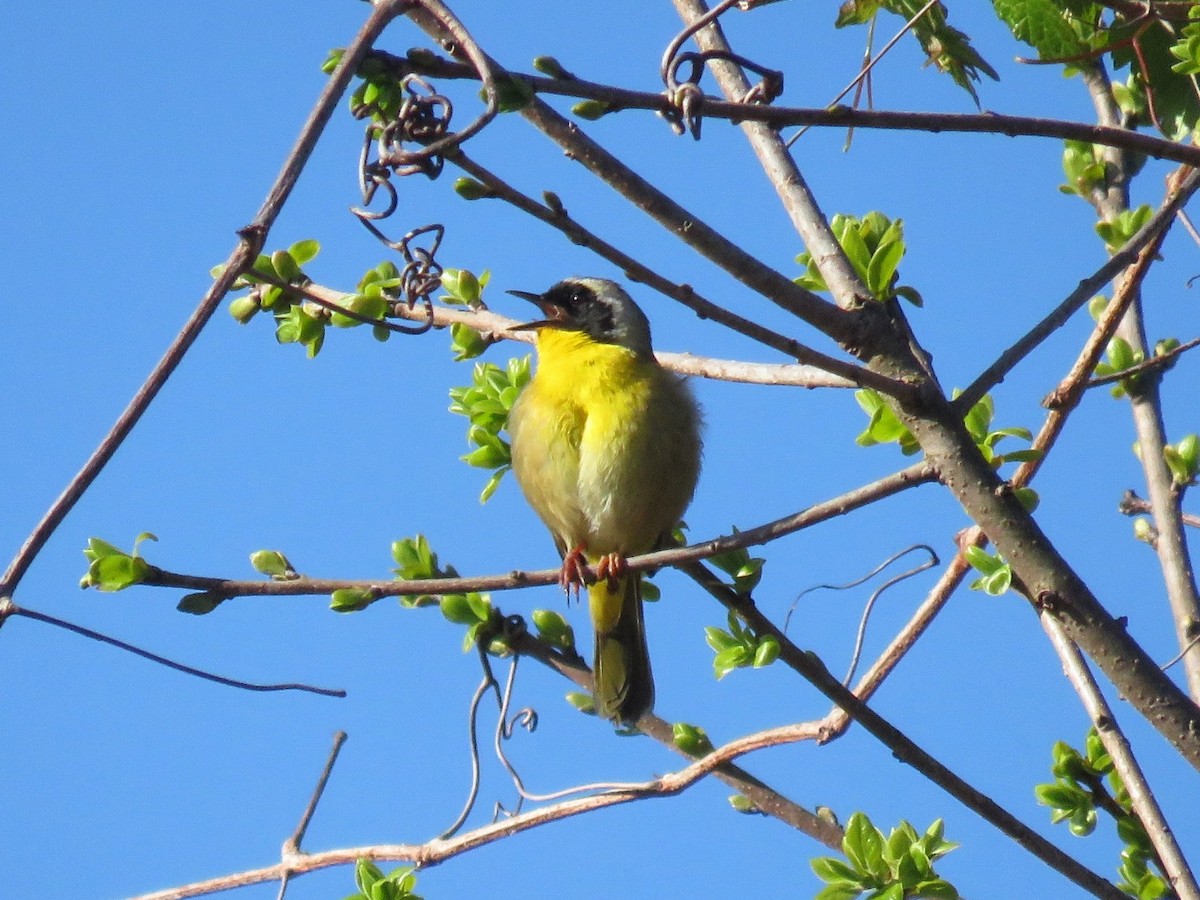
column 612, row 568
column 571, row 575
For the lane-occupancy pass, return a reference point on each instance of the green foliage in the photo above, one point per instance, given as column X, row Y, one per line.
column 894, row 868
column 1084, row 167
column 1187, row 48
column 274, row 564
column 470, row 189
column 463, row 288
column 875, row 245
column 296, row 321
column 554, row 629
column 380, row 92
column 372, row 884
column 1120, row 356
column 415, row 560
column 487, row 402
column 995, row 574
column 1183, row 459
column 885, row 427
column 743, row 804
column 551, row 67
column 1056, row 30
column 744, row 569
column 739, row 647
column 1117, row 232
column 513, row 93
column 112, row 569
column 1086, row 784
column 691, row 739
column 947, row 48
column 582, row 701
column 591, row 110
column 1152, row 55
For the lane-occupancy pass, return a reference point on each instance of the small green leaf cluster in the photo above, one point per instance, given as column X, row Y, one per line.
column 1084, row 167
column 295, row 322
column 380, row 93
column 739, row 647
column 1119, row 356
column 471, row 189
column 513, row 93
column 1086, row 783
column 995, row 575
column 979, row 425
column 738, row 564
column 900, row 866
column 1116, row 232
column 416, row 560
column 463, row 288
column 1187, row 48
column 112, row 569
column 591, row 110
column 691, row 739
column 885, row 427
column 1056, row 30
column 372, row 884
column 554, row 629
column 486, row 402
column 874, row 245
column 1183, row 459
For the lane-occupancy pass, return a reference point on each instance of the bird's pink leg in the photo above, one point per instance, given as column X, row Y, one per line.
column 611, row 568
column 571, row 575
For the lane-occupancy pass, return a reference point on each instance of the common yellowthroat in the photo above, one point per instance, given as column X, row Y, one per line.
column 606, row 448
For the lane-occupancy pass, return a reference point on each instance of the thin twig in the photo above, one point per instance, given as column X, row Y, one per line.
column 438, row 851
column 291, row 847
column 1145, row 806
column 13, row 610
column 1131, row 505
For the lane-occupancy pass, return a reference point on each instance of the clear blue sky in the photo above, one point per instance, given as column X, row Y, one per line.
column 140, row 137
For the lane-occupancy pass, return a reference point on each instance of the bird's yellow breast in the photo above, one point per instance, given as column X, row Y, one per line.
column 605, row 444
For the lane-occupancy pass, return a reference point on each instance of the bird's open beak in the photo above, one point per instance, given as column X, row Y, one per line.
column 555, row 315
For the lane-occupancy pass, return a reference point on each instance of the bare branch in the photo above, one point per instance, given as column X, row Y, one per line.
column 8, row 608
column 438, row 851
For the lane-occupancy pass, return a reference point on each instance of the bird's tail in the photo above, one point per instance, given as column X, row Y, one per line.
column 621, row 666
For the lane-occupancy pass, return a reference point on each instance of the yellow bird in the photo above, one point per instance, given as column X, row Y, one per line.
column 606, row 448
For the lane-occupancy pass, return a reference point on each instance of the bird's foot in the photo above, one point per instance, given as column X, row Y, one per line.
column 611, row 568
column 571, row 575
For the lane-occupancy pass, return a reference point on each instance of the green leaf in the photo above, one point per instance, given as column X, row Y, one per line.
column 863, row 846
column 1043, row 25
column 115, row 573
column 304, row 251
column 691, row 739
column 470, row 189
column 201, row 603
column 591, row 110
column 272, row 563
column 351, row 599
